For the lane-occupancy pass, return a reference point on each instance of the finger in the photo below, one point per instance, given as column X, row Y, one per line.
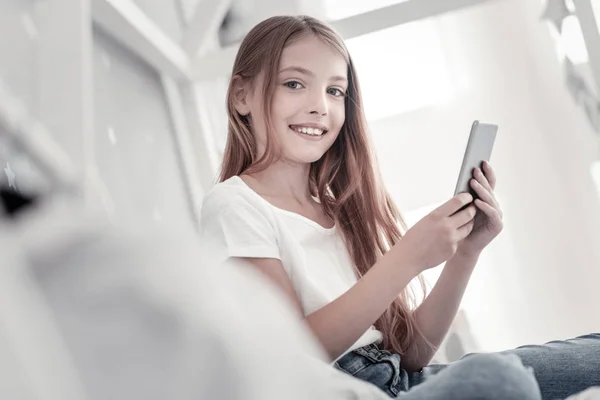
column 488, row 210
column 484, row 194
column 454, row 204
column 465, row 230
column 489, row 174
column 463, row 217
column 481, row 178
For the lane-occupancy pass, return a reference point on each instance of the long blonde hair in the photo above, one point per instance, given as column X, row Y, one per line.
column 345, row 179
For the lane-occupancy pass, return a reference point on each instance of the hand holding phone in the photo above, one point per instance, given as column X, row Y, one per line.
column 479, row 149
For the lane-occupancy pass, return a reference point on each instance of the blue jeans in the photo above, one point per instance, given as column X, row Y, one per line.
column 551, row 371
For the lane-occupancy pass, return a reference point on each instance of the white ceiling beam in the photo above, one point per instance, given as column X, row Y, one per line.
column 398, row 14
column 124, row 21
column 219, row 63
column 204, row 25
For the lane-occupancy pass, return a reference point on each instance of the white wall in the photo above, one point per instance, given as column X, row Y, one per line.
column 537, row 281
column 134, row 151
column 104, row 106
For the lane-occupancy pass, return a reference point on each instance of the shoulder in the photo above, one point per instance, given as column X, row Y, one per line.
column 237, row 222
column 228, row 194
column 233, row 196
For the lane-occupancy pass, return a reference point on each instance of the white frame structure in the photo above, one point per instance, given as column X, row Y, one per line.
column 591, row 35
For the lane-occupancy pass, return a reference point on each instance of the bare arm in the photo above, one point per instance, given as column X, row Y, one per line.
column 340, row 323
column 435, row 315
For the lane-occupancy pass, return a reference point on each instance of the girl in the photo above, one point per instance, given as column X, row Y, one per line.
column 302, row 201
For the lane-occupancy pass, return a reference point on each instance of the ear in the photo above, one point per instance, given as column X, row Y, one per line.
column 241, row 94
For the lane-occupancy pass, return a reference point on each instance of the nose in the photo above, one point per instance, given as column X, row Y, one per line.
column 318, row 103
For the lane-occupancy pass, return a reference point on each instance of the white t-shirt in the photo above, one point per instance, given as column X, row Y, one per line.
column 237, row 222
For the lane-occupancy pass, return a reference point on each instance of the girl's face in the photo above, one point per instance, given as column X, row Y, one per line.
column 308, row 103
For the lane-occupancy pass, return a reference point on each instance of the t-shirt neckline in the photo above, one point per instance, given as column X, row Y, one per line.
column 292, row 214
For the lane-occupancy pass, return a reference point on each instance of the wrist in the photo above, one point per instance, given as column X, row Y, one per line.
column 467, row 253
column 463, row 260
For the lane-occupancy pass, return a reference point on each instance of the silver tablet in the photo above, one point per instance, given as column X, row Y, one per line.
column 479, row 149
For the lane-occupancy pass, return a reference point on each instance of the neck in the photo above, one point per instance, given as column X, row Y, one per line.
column 285, row 180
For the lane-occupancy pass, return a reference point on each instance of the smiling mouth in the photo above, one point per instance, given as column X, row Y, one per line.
column 308, row 130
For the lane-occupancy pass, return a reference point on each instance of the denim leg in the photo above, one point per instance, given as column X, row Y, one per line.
column 378, row 367
column 480, row 377
column 562, row 368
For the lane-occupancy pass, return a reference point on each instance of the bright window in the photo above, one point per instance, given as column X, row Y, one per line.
column 595, row 171
column 571, row 41
column 400, row 69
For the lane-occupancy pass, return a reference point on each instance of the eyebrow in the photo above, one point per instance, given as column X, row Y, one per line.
column 305, row 71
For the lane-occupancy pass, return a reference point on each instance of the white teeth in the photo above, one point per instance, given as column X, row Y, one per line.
column 309, row 131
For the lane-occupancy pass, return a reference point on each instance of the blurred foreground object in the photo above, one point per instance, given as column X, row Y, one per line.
column 99, row 312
